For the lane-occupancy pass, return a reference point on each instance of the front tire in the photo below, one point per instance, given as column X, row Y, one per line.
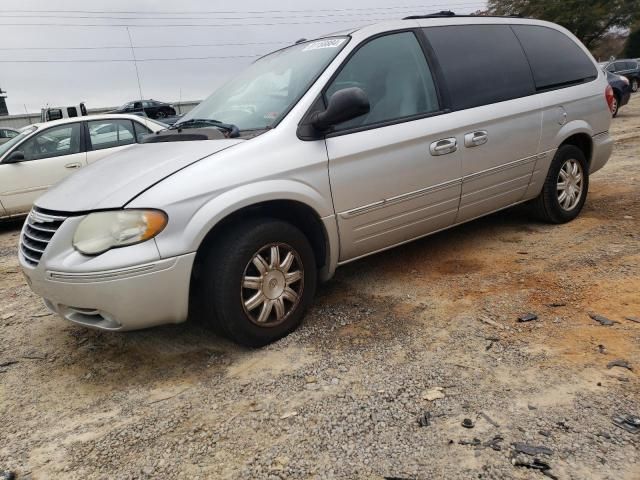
column 565, row 188
column 257, row 281
column 635, row 84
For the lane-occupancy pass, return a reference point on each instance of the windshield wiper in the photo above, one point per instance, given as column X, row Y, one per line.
column 232, row 130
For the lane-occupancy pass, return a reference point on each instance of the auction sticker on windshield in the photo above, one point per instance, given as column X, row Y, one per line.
column 333, row 43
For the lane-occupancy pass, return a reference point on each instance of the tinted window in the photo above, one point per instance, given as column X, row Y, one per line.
column 72, row 112
column 53, row 142
column 393, row 72
column 556, row 60
column 54, row 114
column 11, row 133
column 611, row 67
column 111, row 133
column 482, row 64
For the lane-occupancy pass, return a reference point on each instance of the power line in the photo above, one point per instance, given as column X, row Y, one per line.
column 120, row 60
column 193, row 45
column 225, row 12
column 179, row 25
column 253, row 17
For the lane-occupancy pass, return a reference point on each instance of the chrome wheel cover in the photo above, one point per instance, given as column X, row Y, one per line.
column 272, row 284
column 570, row 184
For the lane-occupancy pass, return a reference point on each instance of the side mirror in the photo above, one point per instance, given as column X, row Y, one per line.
column 345, row 104
column 14, row 157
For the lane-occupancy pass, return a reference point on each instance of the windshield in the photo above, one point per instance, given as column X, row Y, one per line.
column 5, row 147
column 265, row 92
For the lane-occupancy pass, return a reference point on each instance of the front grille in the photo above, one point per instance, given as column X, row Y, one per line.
column 37, row 233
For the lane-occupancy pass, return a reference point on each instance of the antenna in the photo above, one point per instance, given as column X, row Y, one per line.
column 135, row 62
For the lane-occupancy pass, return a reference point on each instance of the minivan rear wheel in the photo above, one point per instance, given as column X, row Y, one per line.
column 565, row 188
column 257, row 281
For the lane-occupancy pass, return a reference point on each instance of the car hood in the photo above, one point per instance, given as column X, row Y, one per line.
column 114, row 181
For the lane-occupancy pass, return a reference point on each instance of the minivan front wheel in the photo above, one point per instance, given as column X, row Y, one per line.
column 565, row 188
column 258, row 280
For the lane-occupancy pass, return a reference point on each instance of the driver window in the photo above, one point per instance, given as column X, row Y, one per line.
column 54, row 142
column 393, row 72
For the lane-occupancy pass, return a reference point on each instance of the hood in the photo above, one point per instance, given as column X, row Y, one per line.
column 115, row 180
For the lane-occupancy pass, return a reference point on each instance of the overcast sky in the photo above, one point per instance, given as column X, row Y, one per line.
column 184, row 67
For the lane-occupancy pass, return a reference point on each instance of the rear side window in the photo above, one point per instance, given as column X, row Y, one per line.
column 482, row 64
column 556, row 60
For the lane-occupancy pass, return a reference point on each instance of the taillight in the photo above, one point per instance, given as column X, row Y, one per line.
column 608, row 93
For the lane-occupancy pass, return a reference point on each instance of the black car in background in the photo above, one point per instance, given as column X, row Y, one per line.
column 628, row 68
column 621, row 91
column 150, row 108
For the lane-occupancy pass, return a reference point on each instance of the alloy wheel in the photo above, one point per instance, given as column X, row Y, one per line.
column 272, row 284
column 570, row 184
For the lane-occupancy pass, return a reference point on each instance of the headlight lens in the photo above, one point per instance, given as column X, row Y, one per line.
column 102, row 231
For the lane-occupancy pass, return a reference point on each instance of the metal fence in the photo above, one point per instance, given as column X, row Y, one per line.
column 19, row 121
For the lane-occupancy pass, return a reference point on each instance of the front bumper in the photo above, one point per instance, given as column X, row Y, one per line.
column 126, row 299
column 124, row 289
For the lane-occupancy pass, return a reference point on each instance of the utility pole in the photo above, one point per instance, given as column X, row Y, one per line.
column 135, row 62
column 3, row 103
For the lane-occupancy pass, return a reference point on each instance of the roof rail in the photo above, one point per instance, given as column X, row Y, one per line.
column 443, row 13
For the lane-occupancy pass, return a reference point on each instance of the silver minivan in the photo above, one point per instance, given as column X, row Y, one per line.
column 319, row 154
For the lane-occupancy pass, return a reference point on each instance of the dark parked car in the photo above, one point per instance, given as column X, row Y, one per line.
column 150, row 108
column 627, row 68
column 621, row 91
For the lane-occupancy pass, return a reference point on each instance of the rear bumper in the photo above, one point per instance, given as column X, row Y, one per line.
column 128, row 298
column 602, row 149
column 624, row 99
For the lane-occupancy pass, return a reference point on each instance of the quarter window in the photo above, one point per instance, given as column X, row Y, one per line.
column 393, row 72
column 53, row 142
column 111, row 133
column 141, row 131
column 556, row 60
column 482, row 64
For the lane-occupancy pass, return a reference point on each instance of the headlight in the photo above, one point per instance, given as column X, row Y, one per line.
column 102, row 231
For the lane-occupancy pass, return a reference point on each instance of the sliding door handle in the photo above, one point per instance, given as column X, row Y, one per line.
column 475, row 139
column 444, row 146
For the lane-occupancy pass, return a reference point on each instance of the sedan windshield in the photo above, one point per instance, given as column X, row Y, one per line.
column 5, row 147
column 265, row 92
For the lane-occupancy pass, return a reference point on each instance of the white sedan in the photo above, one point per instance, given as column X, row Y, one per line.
column 43, row 154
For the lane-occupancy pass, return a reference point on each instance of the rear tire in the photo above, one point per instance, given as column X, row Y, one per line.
column 565, row 188
column 257, row 281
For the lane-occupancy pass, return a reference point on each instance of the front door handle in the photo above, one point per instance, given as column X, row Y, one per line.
column 73, row 165
column 444, row 146
column 475, row 139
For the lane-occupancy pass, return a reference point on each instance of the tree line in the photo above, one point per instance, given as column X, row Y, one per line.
column 602, row 25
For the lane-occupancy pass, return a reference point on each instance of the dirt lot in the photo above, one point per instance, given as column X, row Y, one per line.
column 340, row 398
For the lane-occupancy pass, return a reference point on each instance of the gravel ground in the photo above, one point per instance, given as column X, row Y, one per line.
column 426, row 330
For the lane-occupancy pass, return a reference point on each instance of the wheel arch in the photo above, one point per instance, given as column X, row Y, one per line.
column 578, row 134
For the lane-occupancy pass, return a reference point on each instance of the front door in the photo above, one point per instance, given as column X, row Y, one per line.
column 49, row 156
column 395, row 172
